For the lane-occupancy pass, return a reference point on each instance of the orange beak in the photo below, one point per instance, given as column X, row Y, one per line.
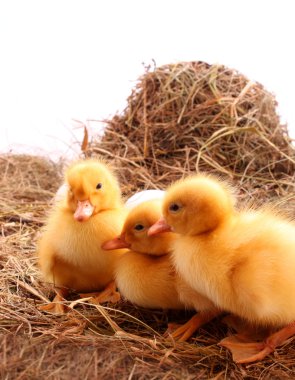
column 159, row 227
column 116, row 243
column 83, row 211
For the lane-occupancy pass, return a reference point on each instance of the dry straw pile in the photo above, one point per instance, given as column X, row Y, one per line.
column 179, row 118
column 193, row 116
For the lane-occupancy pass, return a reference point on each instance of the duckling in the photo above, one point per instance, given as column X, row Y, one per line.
column 243, row 261
column 89, row 211
column 145, row 274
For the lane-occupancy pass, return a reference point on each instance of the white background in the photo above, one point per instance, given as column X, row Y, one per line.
column 63, row 60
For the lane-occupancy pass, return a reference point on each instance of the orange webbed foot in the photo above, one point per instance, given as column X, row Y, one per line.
column 184, row 332
column 56, row 306
column 109, row 294
column 245, row 352
column 241, row 348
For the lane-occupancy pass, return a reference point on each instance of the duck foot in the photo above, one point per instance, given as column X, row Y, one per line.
column 109, row 294
column 245, row 352
column 56, row 306
column 184, row 332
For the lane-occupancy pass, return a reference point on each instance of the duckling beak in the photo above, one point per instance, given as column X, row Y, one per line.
column 116, row 243
column 159, row 227
column 83, row 211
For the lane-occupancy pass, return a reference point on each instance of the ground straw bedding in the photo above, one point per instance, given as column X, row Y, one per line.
column 179, row 119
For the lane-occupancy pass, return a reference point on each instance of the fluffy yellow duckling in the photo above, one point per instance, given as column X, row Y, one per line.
column 244, row 261
column 90, row 212
column 145, row 274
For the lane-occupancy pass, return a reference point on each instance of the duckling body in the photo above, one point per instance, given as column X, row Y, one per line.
column 90, row 212
column 148, row 281
column 145, row 275
column 246, row 266
column 244, row 262
column 69, row 250
column 152, row 282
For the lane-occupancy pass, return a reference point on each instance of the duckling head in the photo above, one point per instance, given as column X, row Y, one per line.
column 135, row 231
column 92, row 188
column 195, row 205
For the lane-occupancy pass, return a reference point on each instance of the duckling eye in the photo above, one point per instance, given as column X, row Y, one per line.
column 174, row 207
column 99, row 186
column 139, row 227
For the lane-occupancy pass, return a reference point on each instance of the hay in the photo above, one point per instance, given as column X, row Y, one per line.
column 192, row 117
column 108, row 342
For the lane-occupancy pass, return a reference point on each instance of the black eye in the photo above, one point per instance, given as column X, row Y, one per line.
column 99, row 186
column 139, row 227
column 174, row 207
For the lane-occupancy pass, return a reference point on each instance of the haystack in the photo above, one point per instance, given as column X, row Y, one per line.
column 192, row 116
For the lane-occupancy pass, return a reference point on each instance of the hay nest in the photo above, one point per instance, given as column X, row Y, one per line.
column 193, row 116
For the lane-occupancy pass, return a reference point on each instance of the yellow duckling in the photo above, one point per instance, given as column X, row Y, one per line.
column 90, row 212
column 244, row 261
column 145, row 274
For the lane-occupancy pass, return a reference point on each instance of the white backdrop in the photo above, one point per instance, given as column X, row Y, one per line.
column 65, row 59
